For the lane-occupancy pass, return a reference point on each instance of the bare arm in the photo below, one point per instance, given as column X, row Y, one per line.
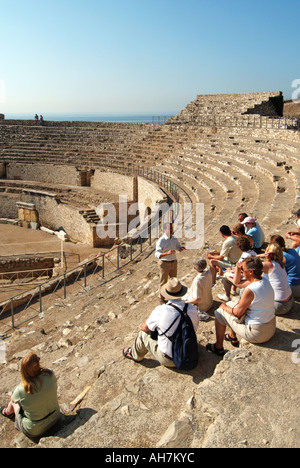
column 166, row 254
column 144, row 327
column 237, row 279
column 240, row 309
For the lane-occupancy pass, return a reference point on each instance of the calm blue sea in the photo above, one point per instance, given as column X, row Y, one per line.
column 158, row 118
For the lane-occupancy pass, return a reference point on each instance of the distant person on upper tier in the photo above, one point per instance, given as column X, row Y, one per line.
column 36, row 119
column 292, row 264
column 165, row 252
column 253, row 230
column 41, row 120
column 295, row 235
column 227, row 257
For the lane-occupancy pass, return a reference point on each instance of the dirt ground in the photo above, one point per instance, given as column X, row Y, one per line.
column 15, row 240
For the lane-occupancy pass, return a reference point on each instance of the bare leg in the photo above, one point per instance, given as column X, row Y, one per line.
column 213, row 269
column 220, row 333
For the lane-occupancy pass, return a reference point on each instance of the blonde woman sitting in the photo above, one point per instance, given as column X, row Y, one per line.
column 34, row 405
column 274, row 270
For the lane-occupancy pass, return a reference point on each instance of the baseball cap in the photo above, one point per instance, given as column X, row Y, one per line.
column 248, row 220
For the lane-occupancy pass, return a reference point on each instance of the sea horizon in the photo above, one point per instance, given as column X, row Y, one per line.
column 95, row 117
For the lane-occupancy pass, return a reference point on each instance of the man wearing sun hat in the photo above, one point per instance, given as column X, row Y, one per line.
column 163, row 321
column 255, row 232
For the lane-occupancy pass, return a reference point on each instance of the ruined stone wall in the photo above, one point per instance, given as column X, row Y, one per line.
column 23, row 265
column 8, row 206
column 52, row 214
column 113, row 183
column 118, row 184
column 55, row 174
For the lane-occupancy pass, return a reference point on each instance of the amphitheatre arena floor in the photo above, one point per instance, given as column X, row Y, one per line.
column 15, row 240
column 18, row 241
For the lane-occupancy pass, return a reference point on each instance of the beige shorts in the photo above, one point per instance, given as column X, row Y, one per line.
column 225, row 264
column 253, row 333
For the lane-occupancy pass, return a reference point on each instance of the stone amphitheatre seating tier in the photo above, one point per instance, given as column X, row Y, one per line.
column 214, row 163
column 73, row 143
column 225, row 168
column 229, row 105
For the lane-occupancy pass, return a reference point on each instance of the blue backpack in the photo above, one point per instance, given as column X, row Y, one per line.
column 184, row 341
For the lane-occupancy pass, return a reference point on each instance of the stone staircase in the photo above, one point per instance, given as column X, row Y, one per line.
column 90, row 216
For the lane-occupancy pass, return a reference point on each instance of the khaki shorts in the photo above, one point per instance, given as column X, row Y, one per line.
column 225, row 264
column 253, row 333
column 144, row 344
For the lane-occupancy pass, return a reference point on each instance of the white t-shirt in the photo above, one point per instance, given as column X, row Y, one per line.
column 162, row 317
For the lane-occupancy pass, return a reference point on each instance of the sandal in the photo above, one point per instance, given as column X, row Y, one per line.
column 5, row 415
column 234, row 341
column 213, row 349
column 127, row 354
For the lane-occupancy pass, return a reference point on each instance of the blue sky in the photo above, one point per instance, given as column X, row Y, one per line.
column 142, row 56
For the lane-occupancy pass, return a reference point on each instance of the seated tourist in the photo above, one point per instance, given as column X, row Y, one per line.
column 227, row 257
column 292, row 264
column 34, row 405
column 200, row 293
column 239, row 231
column 253, row 317
column 244, row 244
column 162, row 319
column 253, row 230
column 274, row 270
column 295, row 235
column 243, row 216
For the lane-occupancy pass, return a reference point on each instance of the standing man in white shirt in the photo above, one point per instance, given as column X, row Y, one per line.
column 166, row 248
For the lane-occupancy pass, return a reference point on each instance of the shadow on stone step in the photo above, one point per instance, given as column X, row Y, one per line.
column 68, row 424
